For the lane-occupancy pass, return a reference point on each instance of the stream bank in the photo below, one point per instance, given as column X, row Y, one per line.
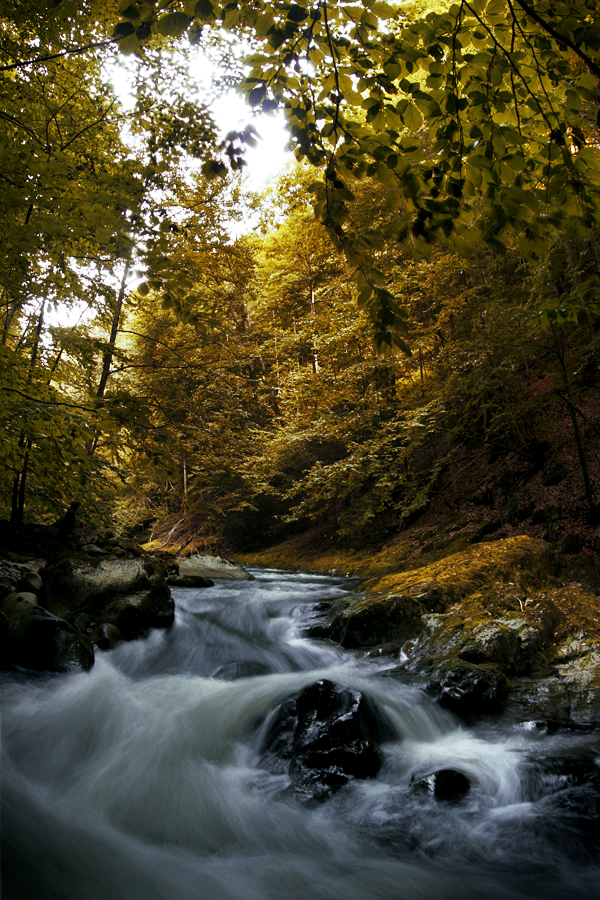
column 504, row 625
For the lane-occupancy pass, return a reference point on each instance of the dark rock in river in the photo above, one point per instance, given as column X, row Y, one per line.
column 468, row 689
column 319, row 617
column 131, row 594
column 106, row 636
column 377, row 621
column 189, row 581
column 33, row 638
column 446, row 785
column 324, row 737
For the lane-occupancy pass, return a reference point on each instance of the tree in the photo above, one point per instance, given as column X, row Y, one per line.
column 79, row 214
column 507, row 92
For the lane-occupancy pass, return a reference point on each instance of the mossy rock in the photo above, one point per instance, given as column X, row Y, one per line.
column 468, row 689
column 376, row 621
column 131, row 594
column 488, row 629
column 521, row 560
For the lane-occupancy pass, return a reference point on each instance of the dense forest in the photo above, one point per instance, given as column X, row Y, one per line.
column 407, row 325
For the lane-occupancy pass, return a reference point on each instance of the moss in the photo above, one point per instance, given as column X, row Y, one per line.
column 521, row 560
column 581, row 611
column 318, row 552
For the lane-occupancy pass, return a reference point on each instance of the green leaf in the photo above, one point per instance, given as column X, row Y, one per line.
column 297, row 14
column 129, row 44
column 412, row 117
column 204, row 10
column 369, row 20
column 383, row 10
column 173, row 24
column 257, row 95
column 365, row 295
column 130, row 12
column 392, row 69
column 123, row 29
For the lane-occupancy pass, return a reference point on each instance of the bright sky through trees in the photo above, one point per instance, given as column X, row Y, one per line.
column 231, row 112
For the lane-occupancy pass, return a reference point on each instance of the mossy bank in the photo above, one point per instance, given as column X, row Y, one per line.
column 499, row 626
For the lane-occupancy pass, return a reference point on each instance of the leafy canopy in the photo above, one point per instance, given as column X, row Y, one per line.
column 506, row 89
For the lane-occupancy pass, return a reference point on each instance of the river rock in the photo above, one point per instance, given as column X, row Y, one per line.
column 189, row 581
column 105, row 636
column 33, row 638
column 212, row 567
column 377, row 621
column 324, row 737
column 468, row 689
column 131, row 594
column 446, row 785
column 317, row 618
column 30, row 582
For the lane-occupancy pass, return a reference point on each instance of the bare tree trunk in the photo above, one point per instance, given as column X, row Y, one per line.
column 560, row 352
column 114, row 331
column 20, row 481
column 313, row 349
column 10, row 314
column 110, row 351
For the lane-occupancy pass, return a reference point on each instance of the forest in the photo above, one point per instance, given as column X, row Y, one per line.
column 299, row 481
column 408, row 317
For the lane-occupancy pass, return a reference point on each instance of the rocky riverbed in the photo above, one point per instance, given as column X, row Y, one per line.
column 492, row 628
column 55, row 612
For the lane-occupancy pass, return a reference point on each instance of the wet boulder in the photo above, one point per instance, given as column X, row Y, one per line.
column 30, row 582
column 19, row 577
column 131, row 594
column 33, row 638
column 376, row 621
column 105, row 636
column 212, row 567
column 324, row 737
column 492, row 642
column 469, row 689
column 445, row 785
column 189, row 581
column 318, row 618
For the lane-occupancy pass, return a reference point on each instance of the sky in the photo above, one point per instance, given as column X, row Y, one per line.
column 231, row 113
column 265, row 161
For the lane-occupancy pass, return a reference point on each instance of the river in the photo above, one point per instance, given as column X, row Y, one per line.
column 140, row 780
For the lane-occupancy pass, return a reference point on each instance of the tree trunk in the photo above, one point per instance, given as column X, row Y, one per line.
column 110, row 351
column 114, row 331
column 20, row 481
column 560, row 352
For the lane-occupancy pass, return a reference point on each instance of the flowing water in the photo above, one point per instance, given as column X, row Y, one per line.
column 140, row 780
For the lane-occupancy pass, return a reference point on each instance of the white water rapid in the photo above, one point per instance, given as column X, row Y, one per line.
column 140, row 781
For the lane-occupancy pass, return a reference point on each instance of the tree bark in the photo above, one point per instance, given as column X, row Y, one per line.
column 20, row 481
column 560, row 352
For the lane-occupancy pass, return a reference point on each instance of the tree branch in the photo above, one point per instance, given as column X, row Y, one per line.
column 594, row 67
column 40, row 59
